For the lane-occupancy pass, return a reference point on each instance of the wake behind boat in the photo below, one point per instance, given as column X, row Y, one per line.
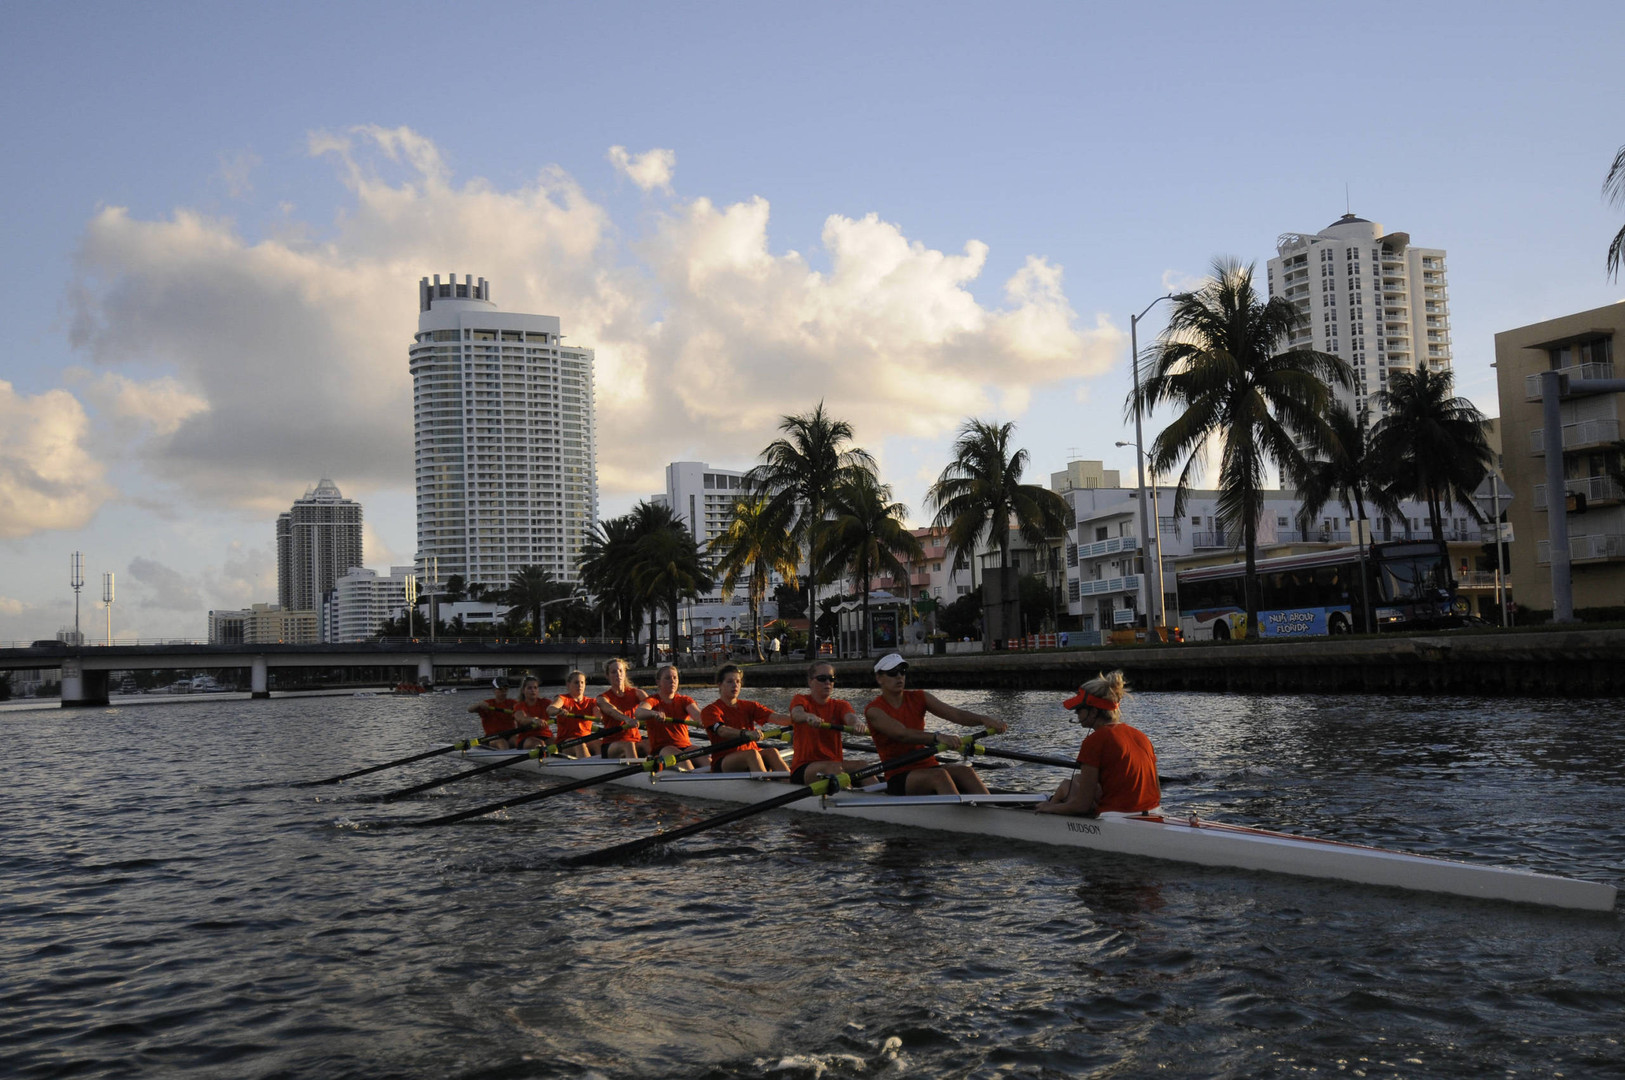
column 1159, row 836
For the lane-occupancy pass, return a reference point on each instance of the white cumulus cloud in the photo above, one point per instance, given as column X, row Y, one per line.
column 49, row 479
column 651, row 170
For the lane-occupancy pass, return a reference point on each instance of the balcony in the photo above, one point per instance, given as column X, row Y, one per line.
column 1531, row 383
column 1596, row 489
column 1481, row 579
column 1128, row 583
column 1598, row 548
column 1585, row 433
column 1218, row 538
column 1108, row 547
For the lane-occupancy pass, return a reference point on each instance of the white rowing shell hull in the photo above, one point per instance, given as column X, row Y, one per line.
column 1204, row 843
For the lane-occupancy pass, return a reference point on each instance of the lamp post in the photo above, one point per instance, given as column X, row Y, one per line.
column 1156, row 535
column 1139, row 449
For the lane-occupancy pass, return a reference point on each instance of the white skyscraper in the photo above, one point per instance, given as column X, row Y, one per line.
column 1370, row 297
column 702, row 497
column 503, row 429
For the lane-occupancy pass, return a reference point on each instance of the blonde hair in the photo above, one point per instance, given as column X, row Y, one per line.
column 663, row 668
column 1109, row 687
column 615, row 661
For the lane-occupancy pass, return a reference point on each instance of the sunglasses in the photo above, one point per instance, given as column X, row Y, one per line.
column 897, row 672
column 824, row 678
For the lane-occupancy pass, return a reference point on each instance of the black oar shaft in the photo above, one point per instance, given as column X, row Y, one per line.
column 520, row 756
column 574, row 785
column 453, row 748
column 806, row 791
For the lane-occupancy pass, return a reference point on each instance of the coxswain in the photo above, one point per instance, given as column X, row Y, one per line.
column 619, row 707
column 666, row 716
column 819, row 719
column 531, row 715
column 729, row 718
column 574, row 712
column 1117, row 766
column 897, row 725
column 497, row 713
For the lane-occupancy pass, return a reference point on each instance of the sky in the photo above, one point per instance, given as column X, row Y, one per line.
column 214, row 219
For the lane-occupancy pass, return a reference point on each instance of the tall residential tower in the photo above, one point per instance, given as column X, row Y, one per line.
column 317, row 541
column 503, row 432
column 1370, row 297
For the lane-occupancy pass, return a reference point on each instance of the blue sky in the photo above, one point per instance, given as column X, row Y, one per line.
column 215, row 218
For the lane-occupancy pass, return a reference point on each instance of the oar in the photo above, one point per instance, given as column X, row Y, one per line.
column 653, row 764
column 524, row 755
column 453, row 748
column 825, row 785
column 1044, row 759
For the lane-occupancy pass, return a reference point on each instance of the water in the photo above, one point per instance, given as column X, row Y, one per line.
column 170, row 906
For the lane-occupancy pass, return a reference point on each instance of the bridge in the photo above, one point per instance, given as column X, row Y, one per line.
column 85, row 669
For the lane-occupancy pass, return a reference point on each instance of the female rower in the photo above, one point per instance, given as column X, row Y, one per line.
column 530, row 714
column 574, row 713
column 1117, row 767
column 666, row 716
column 497, row 714
column 897, row 724
column 728, row 718
column 817, row 749
column 619, row 706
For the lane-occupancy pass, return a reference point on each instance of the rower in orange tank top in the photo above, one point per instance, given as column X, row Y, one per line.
column 666, row 716
column 619, row 706
column 728, row 718
column 897, row 724
column 574, row 712
column 531, row 715
column 817, row 751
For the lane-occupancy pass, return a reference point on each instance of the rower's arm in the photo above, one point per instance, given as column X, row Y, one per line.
column 894, row 729
column 613, row 715
column 1081, row 794
column 963, row 717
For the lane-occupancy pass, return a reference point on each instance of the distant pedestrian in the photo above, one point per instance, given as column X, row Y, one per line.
column 773, row 648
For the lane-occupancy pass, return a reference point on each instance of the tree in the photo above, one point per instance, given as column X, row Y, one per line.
column 529, row 591
column 1614, row 188
column 960, row 618
column 606, row 562
column 980, row 494
column 1431, row 445
column 865, row 536
column 797, row 474
column 666, row 567
column 755, row 546
column 1216, row 362
column 455, row 589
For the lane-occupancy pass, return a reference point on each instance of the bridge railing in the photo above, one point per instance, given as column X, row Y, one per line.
column 461, row 639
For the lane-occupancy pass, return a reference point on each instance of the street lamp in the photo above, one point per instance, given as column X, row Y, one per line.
column 1139, row 449
column 1156, row 535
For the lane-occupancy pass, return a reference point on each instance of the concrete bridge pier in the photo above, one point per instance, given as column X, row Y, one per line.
column 425, row 671
column 259, row 683
column 81, row 688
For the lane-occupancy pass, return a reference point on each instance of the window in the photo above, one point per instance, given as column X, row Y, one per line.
column 1100, row 532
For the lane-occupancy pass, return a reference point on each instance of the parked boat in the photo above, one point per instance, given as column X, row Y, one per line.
column 1170, row 836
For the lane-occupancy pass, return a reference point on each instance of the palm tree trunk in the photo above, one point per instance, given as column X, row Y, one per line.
column 1250, row 533
column 674, row 625
column 654, row 634
column 868, row 631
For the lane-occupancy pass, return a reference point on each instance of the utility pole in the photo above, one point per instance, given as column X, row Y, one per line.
column 107, row 601
column 76, row 578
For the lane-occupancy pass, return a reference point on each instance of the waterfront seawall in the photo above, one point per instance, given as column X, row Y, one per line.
column 1553, row 663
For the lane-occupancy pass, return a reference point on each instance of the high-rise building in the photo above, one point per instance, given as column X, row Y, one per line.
column 1370, row 297
column 702, row 497
column 362, row 601
column 504, row 440
column 316, row 542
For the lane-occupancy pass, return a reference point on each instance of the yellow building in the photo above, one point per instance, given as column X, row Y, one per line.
column 1582, row 347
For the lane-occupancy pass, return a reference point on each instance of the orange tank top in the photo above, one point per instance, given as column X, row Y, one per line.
column 672, row 731
column 911, row 714
column 536, row 712
column 576, row 715
column 627, row 701
column 819, row 744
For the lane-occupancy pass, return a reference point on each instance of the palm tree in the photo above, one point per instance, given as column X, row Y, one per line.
column 980, row 494
column 1216, row 362
column 1431, row 444
column 797, row 474
column 606, row 560
column 866, row 536
column 1348, row 471
column 665, row 566
column 756, row 545
column 1614, row 188
column 530, row 590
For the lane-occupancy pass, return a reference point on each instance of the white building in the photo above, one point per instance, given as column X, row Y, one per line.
column 318, row 539
column 1370, row 297
column 702, row 498
column 504, row 438
column 362, row 601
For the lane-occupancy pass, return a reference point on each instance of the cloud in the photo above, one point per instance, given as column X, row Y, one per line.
column 48, row 477
column 1178, row 281
column 8, row 606
column 164, row 588
column 650, row 170
column 284, row 357
column 235, row 170
column 247, row 575
column 132, row 409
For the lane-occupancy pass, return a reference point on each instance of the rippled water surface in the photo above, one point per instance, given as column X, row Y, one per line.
column 171, row 906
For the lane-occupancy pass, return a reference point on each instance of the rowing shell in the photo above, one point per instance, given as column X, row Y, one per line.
column 1159, row 836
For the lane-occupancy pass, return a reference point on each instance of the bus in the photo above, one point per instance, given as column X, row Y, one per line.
column 1409, row 583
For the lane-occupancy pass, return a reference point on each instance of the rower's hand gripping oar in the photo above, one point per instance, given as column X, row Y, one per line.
column 521, row 756
column 649, row 765
column 824, row 785
column 455, row 747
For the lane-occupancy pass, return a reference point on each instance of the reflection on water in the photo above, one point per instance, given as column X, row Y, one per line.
column 171, row 907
